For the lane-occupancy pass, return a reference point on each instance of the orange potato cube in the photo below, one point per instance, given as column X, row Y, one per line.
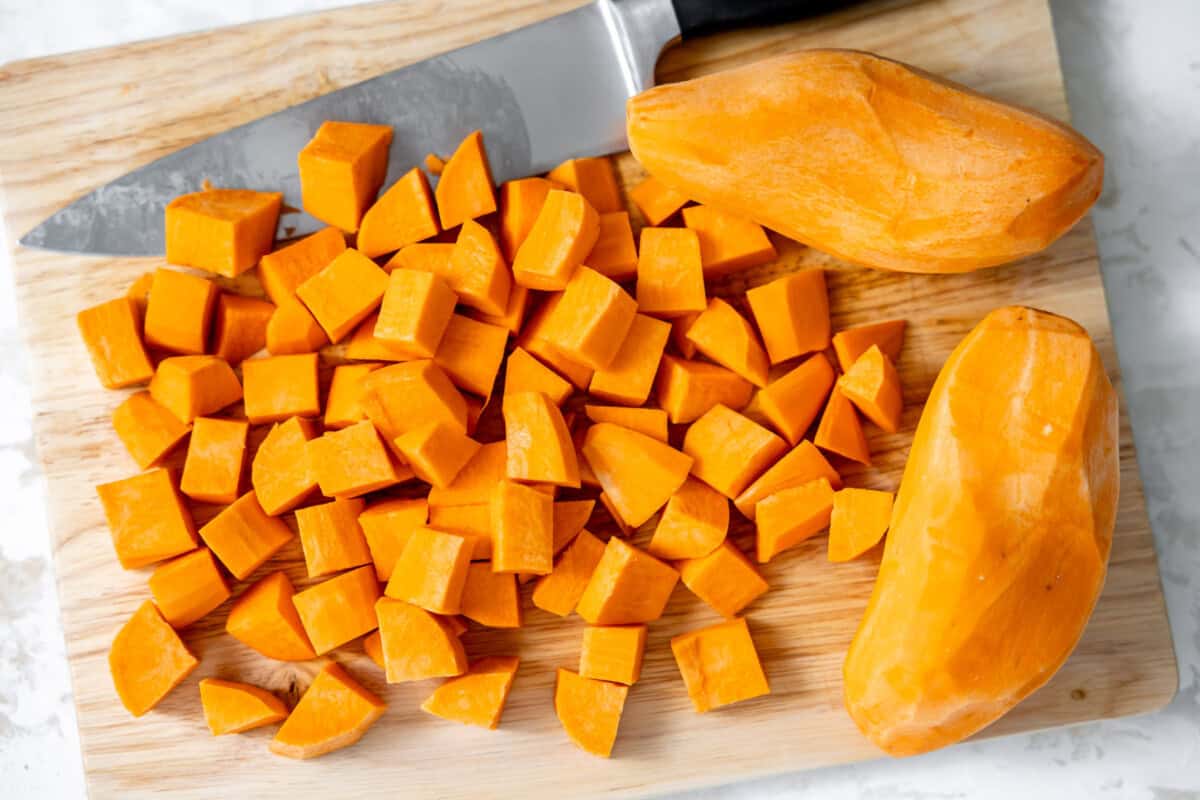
column 792, row 313
column 670, row 281
column 278, row 387
column 283, row 270
column 687, row 390
column 614, row 254
column 341, row 403
column 693, row 524
column 860, row 518
column 212, row 471
column 424, row 256
column 341, row 169
column 292, row 329
column 231, row 707
column 873, row 386
column 562, row 236
column 139, row 291
column 147, row 660
column 437, row 452
column 792, row 401
column 570, row 517
column 416, row 308
column 471, row 353
column 188, row 587
column 466, row 190
column 386, row 525
column 334, row 712
column 473, row 523
column 656, row 200
column 351, row 462
column 593, row 178
column 628, row 586
column 724, row 335
column 431, row 571
column 730, row 450
column 614, row 514
column 402, row 215
column 534, row 339
column 194, row 386
column 112, row 334
column 539, row 446
column 789, row 516
column 840, row 430
column 264, row 618
column 522, row 529
column 802, row 464
column 725, row 579
column 630, row 375
column 243, row 537
column 514, row 313
column 612, row 653
column 224, row 231
column 477, row 271
column 280, row 472
column 240, row 326
column 853, row 342
column 650, row 421
column 638, row 473
column 719, row 665
column 728, row 243
column 524, row 373
column 331, row 537
column 476, row 697
column 520, row 203
column 148, row 431
column 401, row 397
column 344, row 293
column 147, row 518
column 339, row 609
column 179, row 312
column 364, row 345
column 590, row 321
column 417, row 644
column 490, row 598
column 589, row 711
column 559, row 592
column 474, row 482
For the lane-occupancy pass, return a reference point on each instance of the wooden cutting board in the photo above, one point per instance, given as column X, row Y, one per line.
column 73, row 122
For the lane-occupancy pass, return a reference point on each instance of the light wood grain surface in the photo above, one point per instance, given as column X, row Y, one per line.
column 73, row 122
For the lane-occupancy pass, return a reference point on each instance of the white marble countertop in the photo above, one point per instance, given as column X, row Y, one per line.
column 1133, row 78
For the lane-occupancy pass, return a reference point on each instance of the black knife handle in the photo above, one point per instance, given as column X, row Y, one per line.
column 701, row 17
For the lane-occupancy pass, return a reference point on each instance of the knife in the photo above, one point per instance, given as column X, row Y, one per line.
column 541, row 94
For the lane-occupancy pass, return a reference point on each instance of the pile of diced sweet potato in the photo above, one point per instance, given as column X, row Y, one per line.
column 624, row 381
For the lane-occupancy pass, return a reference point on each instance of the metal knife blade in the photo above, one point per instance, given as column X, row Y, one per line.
column 541, row 94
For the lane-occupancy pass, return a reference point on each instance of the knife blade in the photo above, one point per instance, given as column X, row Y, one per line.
column 541, row 94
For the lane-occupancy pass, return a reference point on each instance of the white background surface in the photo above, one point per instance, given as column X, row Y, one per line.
column 1133, row 78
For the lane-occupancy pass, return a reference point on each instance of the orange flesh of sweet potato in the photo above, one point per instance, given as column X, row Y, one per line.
column 179, row 312
column 522, row 529
column 562, row 236
column 730, row 450
column 628, row 586
column 231, row 707
column 147, row 660
column 629, row 377
column 292, row 329
column 386, row 525
column 148, row 431
column 339, row 609
column 243, row 536
column 437, row 452
column 416, row 309
column 402, row 215
column 725, row 579
column 188, row 587
column 687, row 390
column 477, row 271
column 240, row 326
column 476, row 697
column 224, row 231
column 614, row 254
column 212, row 472
column 559, row 592
column 722, row 334
column 280, row 472
column 341, row 401
column 490, row 598
column 341, row 169
column 539, row 447
column 590, row 320
column 790, row 516
column 471, row 353
column 719, row 665
column 840, row 431
column 466, row 190
column 851, row 343
column 194, row 386
column 416, row 643
column 286, row 268
column 520, row 203
column 650, row 421
column 593, row 178
column 639, row 474
column 331, row 538
column 431, row 571
column 147, row 518
column 656, row 200
column 112, row 333
column 589, row 711
column 670, row 280
column 802, row 464
column 728, row 243
column 859, row 520
column 792, row 313
column 612, row 653
column 874, row 387
column 265, row 619
column 693, row 524
column 352, row 462
column 792, row 401
column 334, row 712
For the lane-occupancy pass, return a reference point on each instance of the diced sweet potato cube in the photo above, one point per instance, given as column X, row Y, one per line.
column 344, row 293
column 331, row 537
column 112, row 333
column 188, row 587
column 474, row 482
column 522, row 529
column 490, row 598
column 466, row 190
column 628, row 586
column 687, row 390
column 656, row 200
column 471, row 353
column 334, row 712
column 477, row 271
column 264, row 618
column 148, row 430
column 730, row 450
column 340, row 609
column 840, row 430
column 341, row 169
column 476, row 697
column 240, row 326
column 279, row 387
column 789, row 516
column 612, row 653
column 614, row 514
column 431, row 571
column 802, row 464
column 593, row 178
column 437, row 452
column 243, row 537
column 365, row 345
column 417, row 644
column 280, row 472
column 650, row 421
column 387, row 525
column 719, row 665
column 402, row 215
column 524, row 373
column 292, row 329
column 514, row 312
column 539, row 447
column 341, row 404
column 638, row 473
column 147, row 518
column 283, row 270
column 590, row 321
column 424, row 256
column 534, row 339
column 860, row 518
column 351, row 462
column 614, row 254
column 416, row 308
column 401, row 397
column 559, row 592
column 851, row 343
column 224, row 231
column 589, row 710
column 724, row 335
column 725, row 579
column 792, row 401
column 670, row 281
column 147, row 660
column 570, row 518
column 139, row 291
column 874, row 387
column 373, row 646
column 693, row 524
column 630, row 375
column 232, row 707
column 792, row 313
column 566, row 229
column 472, row 522
column 212, row 472
column 520, row 203
column 194, row 386
column 179, row 312
column 728, row 243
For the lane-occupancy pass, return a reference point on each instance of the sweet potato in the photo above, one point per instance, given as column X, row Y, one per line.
column 147, row 660
column 719, row 665
column 188, row 587
column 477, row 696
column 112, row 333
column 224, row 231
column 147, row 518
column 612, row 653
column 589, row 711
column 243, row 537
column 232, row 707
column 264, row 618
column 339, row 609
column 334, row 712
column 341, row 169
